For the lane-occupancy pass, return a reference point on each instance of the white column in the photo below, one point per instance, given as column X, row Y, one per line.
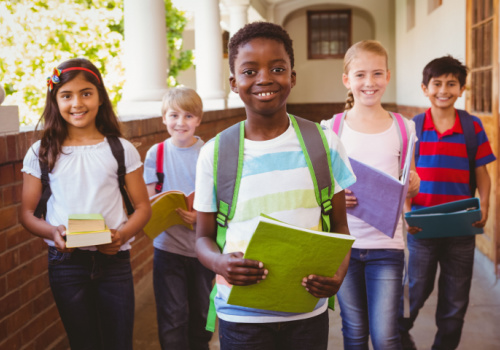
column 238, row 17
column 208, row 53
column 145, row 59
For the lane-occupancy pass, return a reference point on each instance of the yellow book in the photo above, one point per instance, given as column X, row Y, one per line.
column 163, row 207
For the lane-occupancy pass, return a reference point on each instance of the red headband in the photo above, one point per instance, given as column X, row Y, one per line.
column 54, row 78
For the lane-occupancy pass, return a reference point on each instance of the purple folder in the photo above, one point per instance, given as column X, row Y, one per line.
column 380, row 196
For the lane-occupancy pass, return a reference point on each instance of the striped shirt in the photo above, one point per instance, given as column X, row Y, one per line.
column 443, row 165
column 275, row 181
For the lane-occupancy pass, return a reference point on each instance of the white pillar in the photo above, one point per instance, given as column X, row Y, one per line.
column 145, row 59
column 208, row 53
column 238, row 17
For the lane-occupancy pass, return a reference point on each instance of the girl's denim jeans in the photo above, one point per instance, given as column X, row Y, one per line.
column 94, row 294
column 369, row 299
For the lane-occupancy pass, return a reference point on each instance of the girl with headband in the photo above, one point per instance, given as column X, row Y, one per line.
column 92, row 286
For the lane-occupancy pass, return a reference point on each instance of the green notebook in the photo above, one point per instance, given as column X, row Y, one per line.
column 289, row 253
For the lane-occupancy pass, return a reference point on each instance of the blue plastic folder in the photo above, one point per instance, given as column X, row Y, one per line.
column 447, row 220
column 380, row 196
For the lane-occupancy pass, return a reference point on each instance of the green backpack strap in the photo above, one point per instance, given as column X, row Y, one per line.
column 317, row 153
column 227, row 178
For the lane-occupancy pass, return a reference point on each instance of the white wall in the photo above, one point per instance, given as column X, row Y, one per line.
column 435, row 34
column 320, row 81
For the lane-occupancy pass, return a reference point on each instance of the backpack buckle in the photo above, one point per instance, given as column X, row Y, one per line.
column 221, row 219
column 326, row 207
column 158, row 187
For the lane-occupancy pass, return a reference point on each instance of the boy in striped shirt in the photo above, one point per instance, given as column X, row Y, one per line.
column 443, row 166
column 275, row 181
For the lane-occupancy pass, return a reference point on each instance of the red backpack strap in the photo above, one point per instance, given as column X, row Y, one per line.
column 159, row 167
column 403, row 137
column 338, row 123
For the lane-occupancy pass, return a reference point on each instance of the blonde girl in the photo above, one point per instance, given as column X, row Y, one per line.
column 370, row 295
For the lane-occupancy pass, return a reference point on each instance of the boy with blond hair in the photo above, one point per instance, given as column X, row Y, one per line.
column 181, row 283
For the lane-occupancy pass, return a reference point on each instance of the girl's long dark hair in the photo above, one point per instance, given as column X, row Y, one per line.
column 55, row 129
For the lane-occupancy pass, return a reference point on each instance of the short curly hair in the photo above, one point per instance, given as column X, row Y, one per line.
column 259, row 30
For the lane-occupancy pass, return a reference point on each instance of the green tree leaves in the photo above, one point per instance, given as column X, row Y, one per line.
column 38, row 35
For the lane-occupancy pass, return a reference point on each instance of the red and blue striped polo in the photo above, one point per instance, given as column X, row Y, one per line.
column 443, row 165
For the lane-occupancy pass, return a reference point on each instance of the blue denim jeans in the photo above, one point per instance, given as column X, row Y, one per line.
column 182, row 287
column 310, row 333
column 455, row 256
column 94, row 294
column 369, row 299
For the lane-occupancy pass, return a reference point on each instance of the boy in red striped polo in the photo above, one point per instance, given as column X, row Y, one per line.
column 445, row 173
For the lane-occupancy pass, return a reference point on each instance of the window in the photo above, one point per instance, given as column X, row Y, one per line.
column 329, row 33
column 481, row 63
column 410, row 14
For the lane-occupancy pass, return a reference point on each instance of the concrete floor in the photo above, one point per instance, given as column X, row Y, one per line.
column 480, row 331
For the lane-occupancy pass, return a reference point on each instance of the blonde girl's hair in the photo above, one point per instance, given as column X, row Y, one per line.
column 371, row 46
column 184, row 98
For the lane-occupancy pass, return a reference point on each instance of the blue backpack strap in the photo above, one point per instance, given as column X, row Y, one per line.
column 419, row 129
column 471, row 144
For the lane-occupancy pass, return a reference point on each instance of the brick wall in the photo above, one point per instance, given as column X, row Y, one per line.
column 28, row 315
column 411, row 111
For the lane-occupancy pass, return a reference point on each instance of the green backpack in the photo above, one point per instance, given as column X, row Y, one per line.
column 228, row 166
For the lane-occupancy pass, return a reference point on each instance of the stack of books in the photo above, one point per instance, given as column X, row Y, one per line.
column 86, row 230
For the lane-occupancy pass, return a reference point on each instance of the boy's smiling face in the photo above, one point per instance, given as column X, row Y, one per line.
column 263, row 77
column 443, row 91
column 181, row 125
